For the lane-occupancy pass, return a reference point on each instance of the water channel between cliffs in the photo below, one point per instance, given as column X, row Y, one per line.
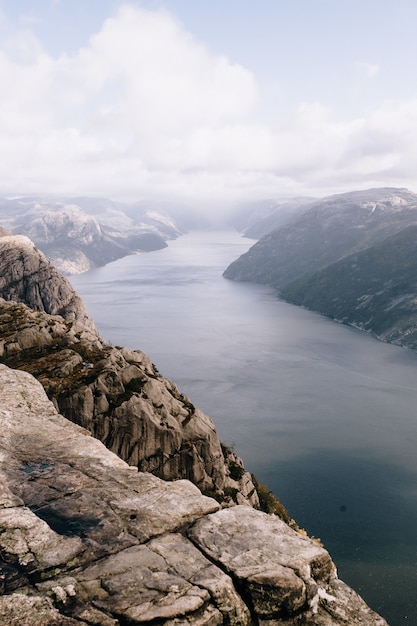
column 322, row 413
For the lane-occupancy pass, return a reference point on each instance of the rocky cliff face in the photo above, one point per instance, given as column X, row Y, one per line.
column 117, row 394
column 85, row 539
column 27, row 276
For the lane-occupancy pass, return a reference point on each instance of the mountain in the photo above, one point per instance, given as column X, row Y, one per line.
column 88, row 539
column 81, row 233
column 351, row 257
column 27, row 276
column 330, row 229
column 256, row 219
column 375, row 290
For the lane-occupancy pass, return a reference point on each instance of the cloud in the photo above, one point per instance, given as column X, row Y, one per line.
column 146, row 110
column 132, row 100
column 370, row 69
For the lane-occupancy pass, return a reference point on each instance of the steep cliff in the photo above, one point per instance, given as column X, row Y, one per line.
column 115, row 393
column 85, row 539
column 27, row 276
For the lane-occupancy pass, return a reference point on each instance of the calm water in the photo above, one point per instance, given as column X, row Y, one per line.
column 324, row 414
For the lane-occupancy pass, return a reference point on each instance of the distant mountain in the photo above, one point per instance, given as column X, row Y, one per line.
column 330, row 229
column 352, row 257
column 78, row 234
column 375, row 290
column 256, row 219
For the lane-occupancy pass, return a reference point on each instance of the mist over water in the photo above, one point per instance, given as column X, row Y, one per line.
column 324, row 414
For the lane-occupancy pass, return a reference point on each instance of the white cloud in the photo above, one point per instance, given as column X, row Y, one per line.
column 145, row 109
column 370, row 69
column 136, row 94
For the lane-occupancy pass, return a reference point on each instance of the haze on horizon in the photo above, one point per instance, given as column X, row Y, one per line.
column 207, row 102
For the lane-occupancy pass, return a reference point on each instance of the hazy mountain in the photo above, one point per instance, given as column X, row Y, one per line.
column 352, row 257
column 256, row 219
column 80, row 233
column 330, row 229
column 186, row 217
column 375, row 289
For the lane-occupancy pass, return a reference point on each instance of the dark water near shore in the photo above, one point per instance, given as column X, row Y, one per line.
column 322, row 413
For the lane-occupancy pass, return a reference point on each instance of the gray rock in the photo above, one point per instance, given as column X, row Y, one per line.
column 288, row 578
column 120, row 398
column 27, row 276
column 117, row 394
column 87, row 539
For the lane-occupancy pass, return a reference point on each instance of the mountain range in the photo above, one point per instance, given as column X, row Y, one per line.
column 350, row 256
column 78, row 234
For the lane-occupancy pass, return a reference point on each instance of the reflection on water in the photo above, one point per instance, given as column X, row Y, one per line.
column 322, row 413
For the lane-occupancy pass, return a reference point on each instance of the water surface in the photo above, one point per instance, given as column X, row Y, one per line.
column 323, row 413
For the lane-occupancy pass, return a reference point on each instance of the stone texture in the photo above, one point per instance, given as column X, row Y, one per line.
column 87, row 539
column 118, row 395
column 27, row 276
column 279, row 569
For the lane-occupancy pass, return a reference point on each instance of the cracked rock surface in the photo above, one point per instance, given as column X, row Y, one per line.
column 86, row 539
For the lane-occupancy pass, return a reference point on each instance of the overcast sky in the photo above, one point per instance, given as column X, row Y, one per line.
column 207, row 100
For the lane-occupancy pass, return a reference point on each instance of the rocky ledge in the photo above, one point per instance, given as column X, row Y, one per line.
column 116, row 393
column 119, row 396
column 87, row 539
column 122, row 533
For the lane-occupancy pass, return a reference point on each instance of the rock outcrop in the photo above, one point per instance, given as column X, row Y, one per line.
column 92, row 537
column 85, row 539
column 116, row 393
column 27, row 276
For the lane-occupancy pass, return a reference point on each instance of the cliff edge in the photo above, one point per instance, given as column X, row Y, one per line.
column 27, row 276
column 116, row 393
column 88, row 539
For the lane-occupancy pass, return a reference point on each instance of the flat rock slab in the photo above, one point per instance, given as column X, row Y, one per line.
column 85, row 539
column 286, row 577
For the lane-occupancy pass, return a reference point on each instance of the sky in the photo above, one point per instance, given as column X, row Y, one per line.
column 207, row 102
